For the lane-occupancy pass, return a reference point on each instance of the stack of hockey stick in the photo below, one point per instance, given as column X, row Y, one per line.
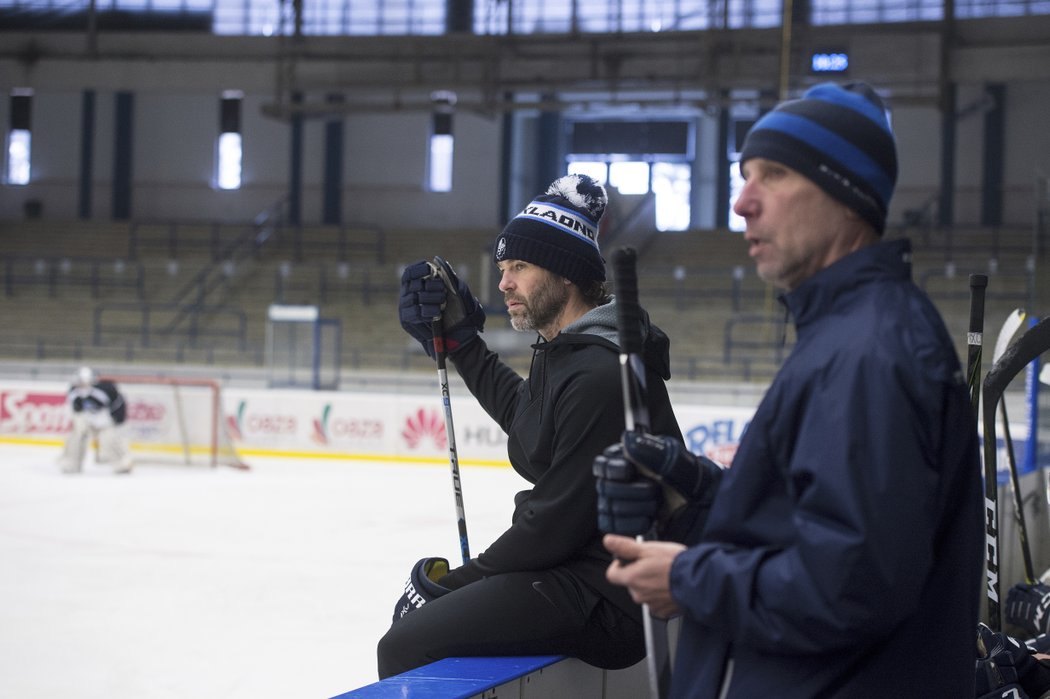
column 1008, row 360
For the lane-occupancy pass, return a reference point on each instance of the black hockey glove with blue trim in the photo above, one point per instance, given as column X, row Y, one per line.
column 628, row 502
column 1005, row 668
column 422, row 586
column 431, row 289
column 654, row 480
column 1028, row 606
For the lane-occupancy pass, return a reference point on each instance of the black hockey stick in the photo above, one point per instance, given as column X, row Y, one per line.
column 1028, row 347
column 1013, row 323
column 450, row 434
column 975, row 339
column 636, row 417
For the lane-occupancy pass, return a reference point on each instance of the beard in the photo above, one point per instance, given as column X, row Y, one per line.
column 543, row 307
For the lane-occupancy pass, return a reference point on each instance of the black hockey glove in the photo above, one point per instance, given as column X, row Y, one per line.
column 628, row 502
column 1027, row 606
column 665, row 458
column 687, row 485
column 421, row 586
column 431, row 289
column 1006, row 668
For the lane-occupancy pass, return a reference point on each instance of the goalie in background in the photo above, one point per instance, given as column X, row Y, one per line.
column 98, row 412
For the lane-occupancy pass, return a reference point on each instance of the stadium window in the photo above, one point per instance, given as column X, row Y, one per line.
column 629, row 177
column 19, row 144
column 736, row 183
column 672, row 186
column 598, row 171
column 442, row 143
column 639, row 157
column 228, row 148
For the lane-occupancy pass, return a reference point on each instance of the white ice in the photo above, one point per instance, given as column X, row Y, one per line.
column 199, row 583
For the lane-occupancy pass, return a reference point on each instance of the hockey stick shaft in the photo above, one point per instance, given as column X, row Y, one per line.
column 636, row 417
column 450, row 434
column 975, row 338
column 974, row 343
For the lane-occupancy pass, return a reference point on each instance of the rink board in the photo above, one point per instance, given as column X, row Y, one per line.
column 525, row 677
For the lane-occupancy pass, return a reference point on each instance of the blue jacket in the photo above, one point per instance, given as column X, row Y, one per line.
column 843, row 553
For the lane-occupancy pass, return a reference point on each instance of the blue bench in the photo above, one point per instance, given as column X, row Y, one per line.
column 542, row 675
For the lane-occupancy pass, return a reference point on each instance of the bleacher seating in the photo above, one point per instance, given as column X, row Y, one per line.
column 63, row 280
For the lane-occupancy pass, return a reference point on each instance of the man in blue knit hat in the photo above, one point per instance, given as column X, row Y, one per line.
column 842, row 556
column 540, row 587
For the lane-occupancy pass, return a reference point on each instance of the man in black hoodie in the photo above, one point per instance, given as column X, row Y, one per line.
column 540, row 588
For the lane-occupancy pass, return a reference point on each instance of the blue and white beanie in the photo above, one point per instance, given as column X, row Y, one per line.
column 558, row 231
column 838, row 136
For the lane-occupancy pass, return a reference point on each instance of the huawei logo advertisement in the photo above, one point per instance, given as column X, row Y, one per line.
column 342, row 424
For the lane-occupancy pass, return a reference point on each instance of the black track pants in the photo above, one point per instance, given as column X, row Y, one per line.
column 532, row 613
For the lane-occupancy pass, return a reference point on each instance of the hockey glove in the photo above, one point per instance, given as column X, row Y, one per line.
column 421, row 586
column 690, row 477
column 687, row 483
column 1004, row 664
column 431, row 290
column 628, row 502
column 1027, row 606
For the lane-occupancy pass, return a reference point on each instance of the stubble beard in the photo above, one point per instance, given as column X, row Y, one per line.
column 541, row 310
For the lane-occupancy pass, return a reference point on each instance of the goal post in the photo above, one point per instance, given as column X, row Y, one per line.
column 176, row 420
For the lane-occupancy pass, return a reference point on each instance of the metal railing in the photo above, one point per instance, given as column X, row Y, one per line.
column 55, row 271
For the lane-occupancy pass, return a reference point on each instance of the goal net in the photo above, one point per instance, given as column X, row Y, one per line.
column 176, row 420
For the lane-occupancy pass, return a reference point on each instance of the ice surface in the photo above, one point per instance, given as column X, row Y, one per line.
column 200, row 583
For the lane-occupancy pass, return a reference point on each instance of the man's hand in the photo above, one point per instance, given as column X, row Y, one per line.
column 422, row 586
column 432, row 290
column 644, row 568
column 628, row 502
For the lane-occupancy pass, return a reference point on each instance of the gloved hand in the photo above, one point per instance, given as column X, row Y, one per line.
column 422, row 586
column 628, row 502
column 667, row 459
column 431, row 289
column 649, row 480
column 1027, row 607
column 1004, row 664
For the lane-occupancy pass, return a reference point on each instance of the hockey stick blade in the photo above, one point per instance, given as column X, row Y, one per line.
column 1034, row 342
column 636, row 417
column 1011, row 325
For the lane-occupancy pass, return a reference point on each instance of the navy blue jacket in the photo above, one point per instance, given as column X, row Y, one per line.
column 843, row 553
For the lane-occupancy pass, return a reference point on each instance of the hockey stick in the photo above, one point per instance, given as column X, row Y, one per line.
column 1017, row 356
column 1010, row 327
column 636, row 417
column 450, row 432
column 975, row 339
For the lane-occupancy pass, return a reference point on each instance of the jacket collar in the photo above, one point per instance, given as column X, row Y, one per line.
column 819, row 294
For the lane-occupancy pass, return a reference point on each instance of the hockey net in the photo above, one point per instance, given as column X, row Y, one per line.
column 176, row 420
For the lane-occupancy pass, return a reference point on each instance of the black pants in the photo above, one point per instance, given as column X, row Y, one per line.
column 532, row 613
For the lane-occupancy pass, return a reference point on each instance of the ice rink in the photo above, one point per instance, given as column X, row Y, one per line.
column 200, row 583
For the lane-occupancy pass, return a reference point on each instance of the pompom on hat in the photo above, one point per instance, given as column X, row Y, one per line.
column 558, row 231
column 838, row 136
